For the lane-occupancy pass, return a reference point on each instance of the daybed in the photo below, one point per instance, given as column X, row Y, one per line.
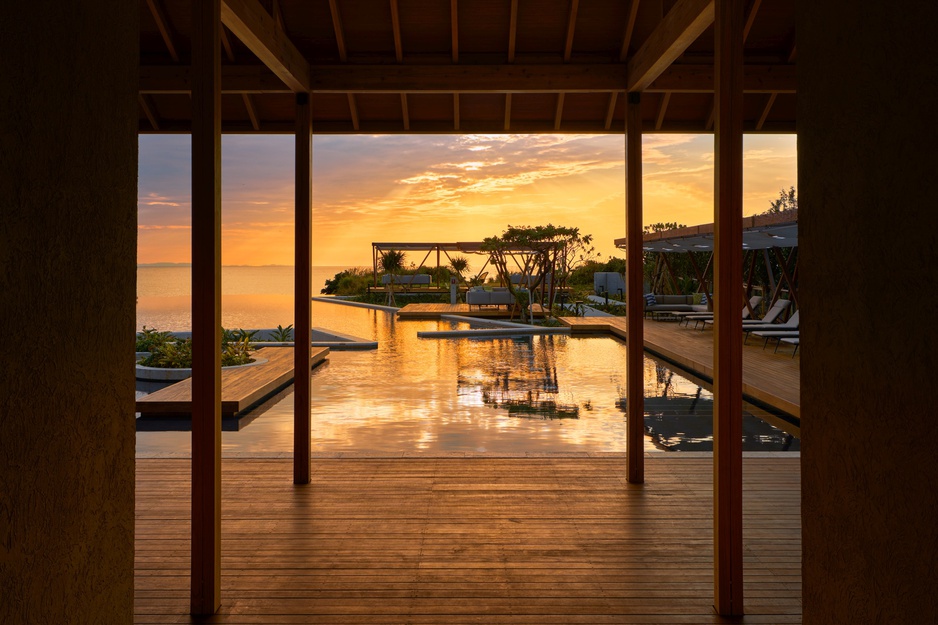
column 489, row 296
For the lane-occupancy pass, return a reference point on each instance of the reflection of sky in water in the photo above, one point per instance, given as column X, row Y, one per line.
column 539, row 394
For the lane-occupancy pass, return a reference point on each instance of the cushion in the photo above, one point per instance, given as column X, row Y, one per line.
column 703, row 299
column 650, row 299
column 696, row 301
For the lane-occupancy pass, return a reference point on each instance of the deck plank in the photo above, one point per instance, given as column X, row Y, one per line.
column 768, row 377
column 241, row 388
column 469, row 540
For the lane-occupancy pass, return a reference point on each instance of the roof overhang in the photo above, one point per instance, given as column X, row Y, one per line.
column 759, row 232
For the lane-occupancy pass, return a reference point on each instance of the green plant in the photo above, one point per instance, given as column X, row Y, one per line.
column 348, row 282
column 392, row 261
column 283, row 335
column 175, row 355
column 151, row 338
column 242, row 334
column 237, row 353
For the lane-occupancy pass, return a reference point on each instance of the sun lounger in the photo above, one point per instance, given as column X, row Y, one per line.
column 777, row 335
column 697, row 318
column 789, row 326
column 777, row 309
column 790, row 341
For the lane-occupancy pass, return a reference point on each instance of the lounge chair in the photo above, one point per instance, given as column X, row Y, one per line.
column 790, row 341
column 777, row 309
column 697, row 318
column 762, row 328
column 777, row 335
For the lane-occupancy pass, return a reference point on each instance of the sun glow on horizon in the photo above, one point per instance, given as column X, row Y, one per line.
column 436, row 188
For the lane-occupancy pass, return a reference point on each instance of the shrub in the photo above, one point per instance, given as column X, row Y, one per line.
column 151, row 338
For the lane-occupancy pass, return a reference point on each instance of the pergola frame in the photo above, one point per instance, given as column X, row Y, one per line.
column 635, row 73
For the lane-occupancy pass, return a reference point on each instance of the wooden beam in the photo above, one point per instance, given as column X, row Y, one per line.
column 302, row 321
column 454, row 19
column 765, row 111
column 146, row 103
column 750, row 18
column 165, row 28
column 508, row 78
column 680, row 27
column 662, row 109
column 205, row 561
column 611, row 109
column 353, row 111
column 727, row 336
column 635, row 303
column 571, row 27
column 558, row 112
column 405, row 114
column 278, row 14
column 257, row 30
column 456, row 111
column 396, row 27
column 339, row 33
column 252, row 113
column 629, row 29
column 710, row 117
column 226, row 44
column 512, row 31
column 507, row 112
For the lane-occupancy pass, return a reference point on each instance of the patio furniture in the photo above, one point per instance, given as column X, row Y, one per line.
column 754, row 301
column 417, row 279
column 667, row 304
column 777, row 309
column 789, row 326
column 494, row 296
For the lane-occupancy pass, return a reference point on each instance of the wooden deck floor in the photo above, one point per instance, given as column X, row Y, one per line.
column 435, row 311
column 469, row 540
column 241, row 388
column 771, row 378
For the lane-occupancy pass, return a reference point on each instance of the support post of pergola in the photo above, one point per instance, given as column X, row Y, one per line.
column 727, row 365
column 205, row 595
column 302, row 330
column 635, row 303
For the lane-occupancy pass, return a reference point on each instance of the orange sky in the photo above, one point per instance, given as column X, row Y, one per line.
column 436, row 188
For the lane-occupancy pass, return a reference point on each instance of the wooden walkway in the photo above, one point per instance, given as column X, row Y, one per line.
column 423, row 540
column 435, row 311
column 768, row 377
column 240, row 388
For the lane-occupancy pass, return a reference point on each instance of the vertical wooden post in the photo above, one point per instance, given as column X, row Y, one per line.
column 302, row 422
column 635, row 302
column 206, row 307
column 727, row 365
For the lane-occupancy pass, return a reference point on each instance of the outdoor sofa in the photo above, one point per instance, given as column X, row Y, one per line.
column 671, row 304
column 417, row 279
column 489, row 296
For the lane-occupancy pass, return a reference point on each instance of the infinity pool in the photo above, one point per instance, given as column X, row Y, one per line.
column 509, row 395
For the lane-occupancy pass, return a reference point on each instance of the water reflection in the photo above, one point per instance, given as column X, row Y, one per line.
column 537, row 394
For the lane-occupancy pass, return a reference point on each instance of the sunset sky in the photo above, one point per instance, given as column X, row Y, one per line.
column 436, row 188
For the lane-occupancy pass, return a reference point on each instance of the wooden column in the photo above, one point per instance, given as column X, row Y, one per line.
column 302, row 422
column 727, row 361
column 635, row 302
column 206, row 307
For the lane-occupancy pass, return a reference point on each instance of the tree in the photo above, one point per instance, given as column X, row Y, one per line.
column 459, row 264
column 392, row 261
column 787, row 201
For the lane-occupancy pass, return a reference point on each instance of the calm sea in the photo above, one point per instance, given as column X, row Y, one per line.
column 252, row 297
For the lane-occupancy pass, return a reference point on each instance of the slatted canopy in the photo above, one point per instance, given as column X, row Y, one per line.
column 486, row 66
column 760, row 232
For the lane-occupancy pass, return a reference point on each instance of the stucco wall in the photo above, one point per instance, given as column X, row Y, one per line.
column 867, row 166
column 68, row 173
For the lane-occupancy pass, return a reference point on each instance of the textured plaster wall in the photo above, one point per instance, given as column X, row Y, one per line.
column 867, row 170
column 68, row 175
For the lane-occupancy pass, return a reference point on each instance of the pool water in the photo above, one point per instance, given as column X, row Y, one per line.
column 504, row 395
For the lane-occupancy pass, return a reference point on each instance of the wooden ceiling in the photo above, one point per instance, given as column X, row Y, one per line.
column 467, row 66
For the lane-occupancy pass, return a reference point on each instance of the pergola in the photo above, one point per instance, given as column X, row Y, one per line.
column 467, row 66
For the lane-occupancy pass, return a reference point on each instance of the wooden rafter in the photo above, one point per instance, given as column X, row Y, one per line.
column 278, row 14
column 611, row 109
column 256, row 29
column 353, row 111
column 508, row 78
column 252, row 111
column 750, row 18
column 680, row 27
column 226, row 44
column 629, row 29
column 165, row 28
column 662, row 109
column 711, row 116
column 513, row 31
column 571, row 27
column 404, row 112
column 454, row 19
column 396, row 27
column 765, row 111
column 558, row 113
column 146, row 103
column 507, row 111
column 339, row 33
